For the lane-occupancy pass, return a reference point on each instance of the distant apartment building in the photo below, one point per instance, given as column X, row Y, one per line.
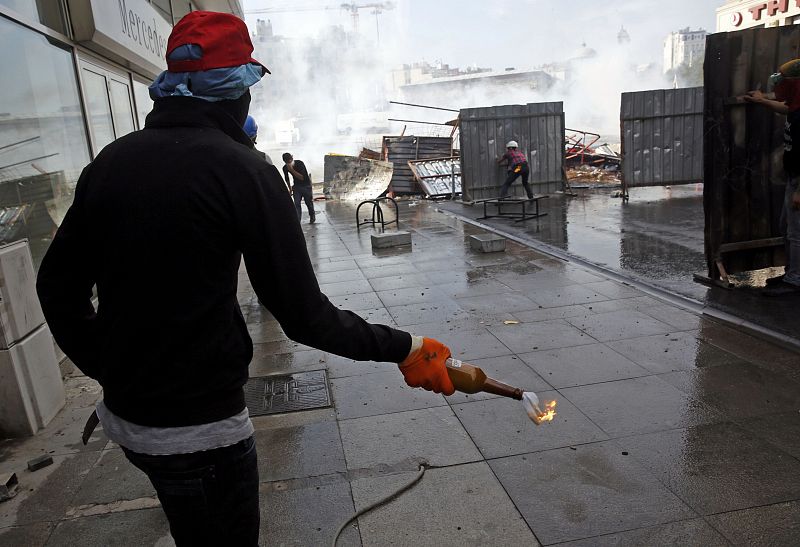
column 684, row 47
column 742, row 14
column 422, row 72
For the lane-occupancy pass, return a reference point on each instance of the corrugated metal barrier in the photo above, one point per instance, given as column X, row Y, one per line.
column 539, row 130
column 744, row 178
column 662, row 137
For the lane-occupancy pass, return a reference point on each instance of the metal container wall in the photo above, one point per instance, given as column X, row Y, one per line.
column 539, row 130
column 744, row 178
column 399, row 150
column 662, row 137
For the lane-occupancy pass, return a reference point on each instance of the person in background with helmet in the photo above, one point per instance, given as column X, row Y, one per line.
column 517, row 167
column 251, row 128
column 783, row 97
column 160, row 221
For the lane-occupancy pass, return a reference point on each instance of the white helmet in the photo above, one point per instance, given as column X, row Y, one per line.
column 512, row 144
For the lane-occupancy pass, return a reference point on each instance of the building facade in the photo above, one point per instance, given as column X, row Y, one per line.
column 684, row 47
column 742, row 14
column 75, row 77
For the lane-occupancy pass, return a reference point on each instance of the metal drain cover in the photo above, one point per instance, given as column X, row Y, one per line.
column 287, row 393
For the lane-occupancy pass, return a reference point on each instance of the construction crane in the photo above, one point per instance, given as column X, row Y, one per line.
column 377, row 9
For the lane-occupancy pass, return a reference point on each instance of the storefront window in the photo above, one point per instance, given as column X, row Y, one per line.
column 144, row 104
column 121, row 107
column 43, row 144
column 97, row 104
column 47, row 12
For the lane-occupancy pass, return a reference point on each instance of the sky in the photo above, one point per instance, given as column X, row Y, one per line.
column 496, row 33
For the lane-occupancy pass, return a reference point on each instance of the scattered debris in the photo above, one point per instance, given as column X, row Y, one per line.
column 39, row 462
column 511, row 322
column 367, row 154
column 349, row 178
column 608, row 174
column 8, row 486
column 438, row 176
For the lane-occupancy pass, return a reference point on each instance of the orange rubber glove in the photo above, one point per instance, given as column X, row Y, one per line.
column 424, row 367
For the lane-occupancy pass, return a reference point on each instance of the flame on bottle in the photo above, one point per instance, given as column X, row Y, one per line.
column 547, row 414
column 536, row 413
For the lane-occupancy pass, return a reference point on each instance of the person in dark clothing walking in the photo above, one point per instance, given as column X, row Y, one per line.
column 301, row 189
column 160, row 221
column 517, row 167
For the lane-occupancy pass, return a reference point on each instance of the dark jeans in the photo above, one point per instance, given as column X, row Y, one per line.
column 303, row 193
column 512, row 176
column 211, row 497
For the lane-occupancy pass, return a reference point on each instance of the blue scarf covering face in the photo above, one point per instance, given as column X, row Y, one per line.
column 217, row 84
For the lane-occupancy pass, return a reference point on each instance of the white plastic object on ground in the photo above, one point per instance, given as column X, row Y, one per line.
column 531, row 403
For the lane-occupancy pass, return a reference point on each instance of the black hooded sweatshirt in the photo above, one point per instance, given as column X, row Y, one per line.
column 159, row 223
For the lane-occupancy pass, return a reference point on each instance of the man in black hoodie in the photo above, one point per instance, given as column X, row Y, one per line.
column 160, row 221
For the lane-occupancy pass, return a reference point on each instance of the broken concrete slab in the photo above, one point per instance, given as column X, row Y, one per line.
column 8, row 486
column 487, row 243
column 390, row 239
column 39, row 462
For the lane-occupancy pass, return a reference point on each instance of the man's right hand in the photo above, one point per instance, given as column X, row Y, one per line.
column 425, row 367
column 755, row 96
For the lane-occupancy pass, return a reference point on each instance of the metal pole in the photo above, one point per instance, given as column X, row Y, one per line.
column 453, row 179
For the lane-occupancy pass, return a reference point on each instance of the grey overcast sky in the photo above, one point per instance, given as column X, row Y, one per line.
column 496, row 33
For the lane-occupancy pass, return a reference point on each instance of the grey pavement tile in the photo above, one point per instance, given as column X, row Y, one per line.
column 456, row 506
column 432, row 435
column 612, row 289
column 508, row 369
column 45, row 495
column 739, row 390
column 620, row 325
column 490, row 259
column 777, row 524
column 306, row 512
column 379, row 393
column 687, row 533
column 563, row 296
column 285, row 363
column 581, row 365
column 674, row 316
column 299, row 451
column 541, row 335
column 675, row 351
column 410, row 295
column 339, row 276
column 501, row 427
column 782, row 430
column 469, row 345
column 380, row 316
column 431, row 311
column 403, row 281
column 391, row 270
column 264, row 333
column 638, row 405
column 341, row 367
column 337, row 266
column 640, row 303
column 745, row 346
column 507, row 302
column 446, row 265
column 548, row 314
column 357, row 302
column 278, row 347
column 479, row 287
column 113, row 478
column 360, row 286
column 548, row 278
column 142, row 527
column 719, row 467
column 570, row 494
column 32, row 534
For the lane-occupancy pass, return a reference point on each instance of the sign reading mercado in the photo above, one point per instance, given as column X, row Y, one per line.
column 129, row 31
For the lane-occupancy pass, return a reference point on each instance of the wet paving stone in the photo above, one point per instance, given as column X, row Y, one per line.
column 687, row 533
column 433, row 310
column 357, row 302
column 432, row 435
column 286, row 363
column 466, row 288
column 510, row 302
column 569, row 494
column 672, row 352
column 337, row 266
column 411, row 295
column 360, row 286
column 388, row 271
column 342, row 367
column 777, row 524
column 340, row 276
column 564, row 296
column 612, row 289
column 306, row 512
column 379, row 393
column 113, row 478
column 501, row 427
column 456, row 506
column 143, row 527
column 298, row 451
column 508, row 369
column 469, row 345
column 782, row 430
column 674, row 316
column 719, row 467
column 32, row 534
column 739, row 390
column 381, row 316
column 620, row 325
column 638, row 405
column 581, row 365
column 404, row 281
column 549, row 314
column 527, row 337
column 640, row 303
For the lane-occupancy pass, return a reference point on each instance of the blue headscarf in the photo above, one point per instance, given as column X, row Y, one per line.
column 217, row 84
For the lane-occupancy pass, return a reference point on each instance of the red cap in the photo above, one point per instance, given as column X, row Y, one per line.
column 223, row 38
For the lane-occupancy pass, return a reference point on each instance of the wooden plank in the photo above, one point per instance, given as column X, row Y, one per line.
column 752, row 244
